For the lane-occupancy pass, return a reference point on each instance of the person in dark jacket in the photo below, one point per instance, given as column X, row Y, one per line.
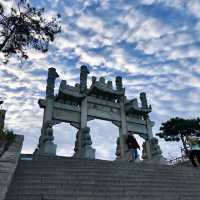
column 132, row 146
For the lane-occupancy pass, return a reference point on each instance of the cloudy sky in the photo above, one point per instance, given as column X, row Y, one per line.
column 153, row 44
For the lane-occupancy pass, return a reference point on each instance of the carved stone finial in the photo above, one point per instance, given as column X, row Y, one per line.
column 102, row 79
column 118, row 82
column 134, row 103
column 52, row 75
column 63, row 84
column 94, row 78
column 83, row 78
column 109, row 83
column 77, row 85
column 143, row 99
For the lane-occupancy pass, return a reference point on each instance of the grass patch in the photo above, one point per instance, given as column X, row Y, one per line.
column 7, row 135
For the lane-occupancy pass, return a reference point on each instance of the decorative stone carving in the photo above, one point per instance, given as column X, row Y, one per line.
column 46, row 145
column 52, row 75
column 94, row 79
column 63, row 84
column 102, row 80
column 83, row 78
column 118, row 150
column 47, row 133
column 109, row 83
column 86, row 150
column 143, row 99
column 134, row 102
column 118, row 82
column 156, row 153
column 77, row 85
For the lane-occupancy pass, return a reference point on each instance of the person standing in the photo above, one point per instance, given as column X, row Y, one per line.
column 132, row 146
column 194, row 153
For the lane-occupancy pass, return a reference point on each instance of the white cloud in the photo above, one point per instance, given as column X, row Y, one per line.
column 113, row 38
column 194, row 7
column 90, row 22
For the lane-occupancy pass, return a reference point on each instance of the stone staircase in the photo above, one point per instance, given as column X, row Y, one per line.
column 75, row 179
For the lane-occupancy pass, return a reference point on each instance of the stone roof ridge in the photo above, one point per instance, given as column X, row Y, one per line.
column 106, row 86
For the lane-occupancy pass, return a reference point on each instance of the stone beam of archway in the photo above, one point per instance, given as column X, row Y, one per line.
column 72, row 114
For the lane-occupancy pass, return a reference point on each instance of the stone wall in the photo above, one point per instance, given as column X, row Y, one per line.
column 8, row 164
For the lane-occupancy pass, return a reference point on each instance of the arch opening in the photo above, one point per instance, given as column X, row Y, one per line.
column 104, row 136
column 64, row 138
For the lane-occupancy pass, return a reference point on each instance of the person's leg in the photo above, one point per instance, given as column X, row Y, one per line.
column 132, row 154
column 129, row 155
column 135, row 154
column 192, row 158
column 198, row 156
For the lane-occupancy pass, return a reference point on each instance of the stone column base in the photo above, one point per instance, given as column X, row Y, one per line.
column 152, row 153
column 48, row 148
column 86, row 152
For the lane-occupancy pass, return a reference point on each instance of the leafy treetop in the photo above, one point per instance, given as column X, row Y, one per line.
column 177, row 129
column 25, row 27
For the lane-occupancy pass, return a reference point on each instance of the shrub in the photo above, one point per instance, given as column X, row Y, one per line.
column 7, row 135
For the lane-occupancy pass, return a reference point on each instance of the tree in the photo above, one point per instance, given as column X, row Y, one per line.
column 177, row 129
column 25, row 27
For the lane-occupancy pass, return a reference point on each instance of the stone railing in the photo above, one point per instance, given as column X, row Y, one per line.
column 178, row 160
column 8, row 164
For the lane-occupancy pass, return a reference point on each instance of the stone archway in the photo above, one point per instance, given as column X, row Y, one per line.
column 79, row 104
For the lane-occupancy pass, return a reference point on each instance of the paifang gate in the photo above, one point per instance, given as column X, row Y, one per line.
column 79, row 104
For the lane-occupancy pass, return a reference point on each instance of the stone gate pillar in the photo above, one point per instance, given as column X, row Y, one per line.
column 148, row 141
column 83, row 142
column 147, row 144
column 122, row 130
column 2, row 119
column 46, row 145
column 123, row 125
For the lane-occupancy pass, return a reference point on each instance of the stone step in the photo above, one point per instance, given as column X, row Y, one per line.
column 110, row 181
column 106, row 173
column 94, row 162
column 104, row 197
column 94, row 173
column 106, row 192
column 74, row 179
column 100, row 167
column 97, row 188
column 88, row 167
column 106, row 182
column 100, row 177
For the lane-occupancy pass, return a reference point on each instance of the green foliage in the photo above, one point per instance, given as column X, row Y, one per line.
column 175, row 128
column 26, row 27
column 7, row 135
